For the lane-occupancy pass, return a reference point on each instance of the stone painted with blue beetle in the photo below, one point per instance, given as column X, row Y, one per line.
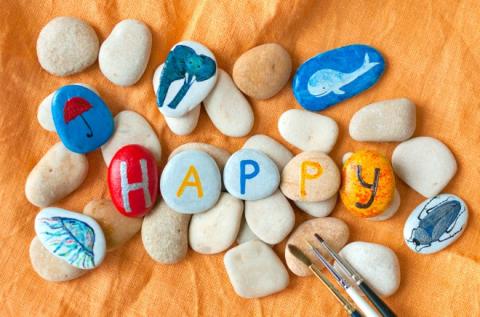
column 336, row 75
column 250, row 175
column 82, row 119
column 435, row 223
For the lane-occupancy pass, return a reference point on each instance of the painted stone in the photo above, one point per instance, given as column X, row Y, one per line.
column 368, row 183
column 336, row 75
column 187, row 77
column 435, row 224
column 191, row 182
column 133, row 180
column 391, row 209
column 310, row 176
column 250, row 175
column 276, row 151
column 82, row 120
column 71, row 236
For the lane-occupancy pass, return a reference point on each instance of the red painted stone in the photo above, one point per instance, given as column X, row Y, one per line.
column 133, row 180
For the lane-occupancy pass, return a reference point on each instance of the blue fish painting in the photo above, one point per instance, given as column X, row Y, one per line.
column 336, row 75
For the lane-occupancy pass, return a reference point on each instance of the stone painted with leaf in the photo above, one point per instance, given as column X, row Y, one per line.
column 368, row 183
column 133, row 180
column 71, row 236
column 187, row 77
column 336, row 75
column 82, row 119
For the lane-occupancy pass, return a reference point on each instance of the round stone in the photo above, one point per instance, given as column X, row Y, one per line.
column 368, row 183
column 320, row 208
column 218, row 154
column 310, row 176
column 250, row 175
column 332, row 230
column 191, row 182
column 276, row 151
column 66, row 46
column 262, row 71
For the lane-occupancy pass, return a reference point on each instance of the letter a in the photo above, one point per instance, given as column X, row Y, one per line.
column 127, row 188
column 244, row 176
column 304, row 174
column 192, row 171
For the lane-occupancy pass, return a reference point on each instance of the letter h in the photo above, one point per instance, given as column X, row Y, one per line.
column 127, row 188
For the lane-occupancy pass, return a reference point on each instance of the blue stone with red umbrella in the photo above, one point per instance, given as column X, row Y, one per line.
column 82, row 119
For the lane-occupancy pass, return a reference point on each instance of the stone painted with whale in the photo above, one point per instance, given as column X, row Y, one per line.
column 336, row 75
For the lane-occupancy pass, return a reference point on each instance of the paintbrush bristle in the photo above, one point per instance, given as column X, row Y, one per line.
column 319, row 238
column 299, row 254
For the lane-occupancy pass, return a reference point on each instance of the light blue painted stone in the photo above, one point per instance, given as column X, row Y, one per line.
column 82, row 119
column 250, row 175
column 336, row 75
column 176, row 172
column 435, row 224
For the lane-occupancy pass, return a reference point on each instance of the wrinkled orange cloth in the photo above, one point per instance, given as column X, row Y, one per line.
column 433, row 54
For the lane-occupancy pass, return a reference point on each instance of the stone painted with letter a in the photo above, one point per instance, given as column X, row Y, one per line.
column 368, row 183
column 133, row 180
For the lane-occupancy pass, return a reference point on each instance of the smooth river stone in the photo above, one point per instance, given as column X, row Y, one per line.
column 435, row 224
column 71, row 236
column 378, row 264
column 271, row 218
column 255, row 270
column 311, row 177
column 50, row 267
column 245, row 234
column 133, row 180
column 44, row 113
column 318, row 209
column 228, row 108
column 332, row 230
column 187, row 77
column 425, row 164
column 183, row 125
column 262, row 71
column 66, row 46
column 308, row 131
column 276, row 151
column 117, row 228
column 215, row 230
column 191, row 182
column 82, row 119
column 346, row 156
column 124, row 54
column 250, row 175
column 165, row 234
column 384, row 121
column 333, row 76
column 368, row 183
column 58, row 173
column 218, row 154
column 131, row 128
column 391, row 209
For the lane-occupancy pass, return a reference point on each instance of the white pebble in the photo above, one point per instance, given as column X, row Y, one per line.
column 276, row 151
column 318, row 209
column 391, row 209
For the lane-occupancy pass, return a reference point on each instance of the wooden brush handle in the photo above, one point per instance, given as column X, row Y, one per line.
column 377, row 301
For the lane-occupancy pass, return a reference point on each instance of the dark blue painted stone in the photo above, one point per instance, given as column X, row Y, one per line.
column 82, row 119
column 336, row 75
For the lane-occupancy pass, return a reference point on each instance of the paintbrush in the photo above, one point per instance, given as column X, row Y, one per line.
column 316, row 271
column 361, row 302
column 381, row 306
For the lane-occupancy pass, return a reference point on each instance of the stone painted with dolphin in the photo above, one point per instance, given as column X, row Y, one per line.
column 187, row 77
column 336, row 75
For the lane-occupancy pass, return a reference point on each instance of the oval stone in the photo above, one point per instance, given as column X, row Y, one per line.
column 124, row 54
column 131, row 128
column 319, row 208
column 310, row 176
column 82, row 119
column 133, row 180
column 73, row 237
column 368, row 183
column 215, row 230
column 218, row 154
column 435, row 224
column 58, row 173
column 332, row 230
column 333, row 76
column 191, row 182
column 250, row 175
column 276, row 151
column 187, row 77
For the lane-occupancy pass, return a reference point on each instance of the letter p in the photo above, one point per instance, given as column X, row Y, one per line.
column 305, row 173
column 243, row 173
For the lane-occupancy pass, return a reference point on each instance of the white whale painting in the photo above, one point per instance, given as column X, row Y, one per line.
column 326, row 81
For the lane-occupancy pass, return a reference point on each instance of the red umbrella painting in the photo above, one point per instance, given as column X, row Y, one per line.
column 75, row 107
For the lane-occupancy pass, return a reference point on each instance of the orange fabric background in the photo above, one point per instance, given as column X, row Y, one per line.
column 433, row 54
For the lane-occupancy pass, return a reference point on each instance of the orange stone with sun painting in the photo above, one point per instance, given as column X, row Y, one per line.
column 368, row 183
